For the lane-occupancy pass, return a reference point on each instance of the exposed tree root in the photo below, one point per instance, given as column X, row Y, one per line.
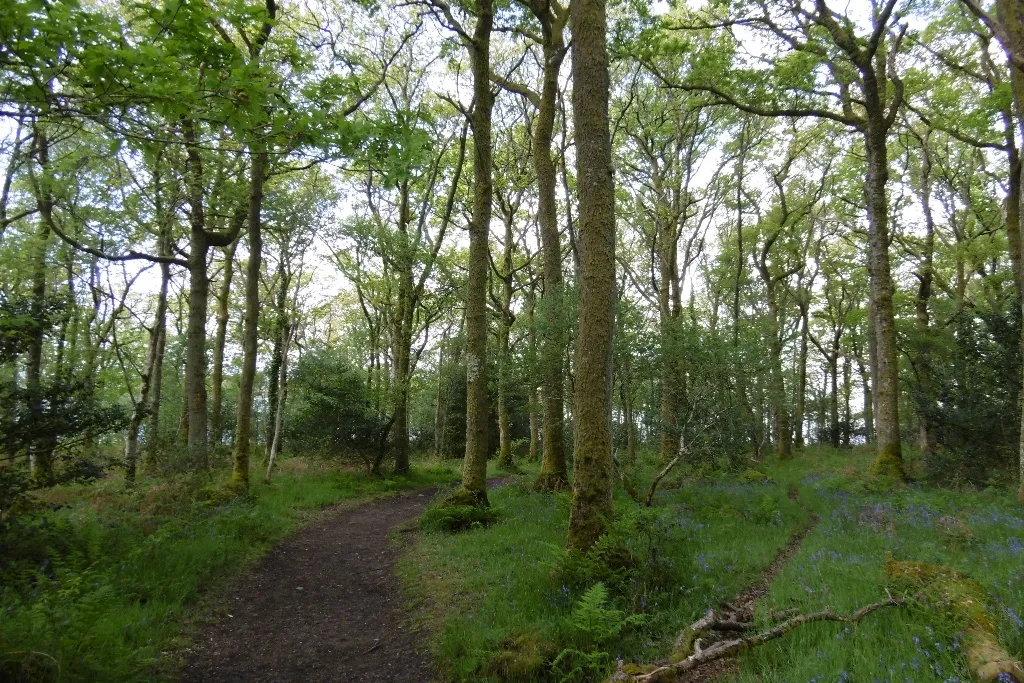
column 692, row 651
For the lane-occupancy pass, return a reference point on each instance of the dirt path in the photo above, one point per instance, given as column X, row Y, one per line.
column 324, row 605
column 742, row 606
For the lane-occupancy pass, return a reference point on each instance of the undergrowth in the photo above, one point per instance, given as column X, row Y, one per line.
column 106, row 581
column 506, row 603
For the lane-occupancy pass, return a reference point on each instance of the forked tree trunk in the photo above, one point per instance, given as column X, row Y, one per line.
column 591, row 509
column 277, row 350
column 150, row 376
column 279, row 409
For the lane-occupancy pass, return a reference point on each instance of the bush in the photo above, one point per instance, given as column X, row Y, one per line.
column 452, row 518
column 331, row 411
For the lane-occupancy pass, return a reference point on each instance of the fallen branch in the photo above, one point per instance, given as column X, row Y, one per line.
column 690, row 639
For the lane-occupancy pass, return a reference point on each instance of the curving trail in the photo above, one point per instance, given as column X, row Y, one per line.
column 324, row 605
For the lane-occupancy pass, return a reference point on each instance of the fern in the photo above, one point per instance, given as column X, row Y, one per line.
column 593, row 624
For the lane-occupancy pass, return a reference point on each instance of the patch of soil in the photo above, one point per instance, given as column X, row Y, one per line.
column 324, row 605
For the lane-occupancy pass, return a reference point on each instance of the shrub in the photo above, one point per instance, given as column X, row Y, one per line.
column 452, row 518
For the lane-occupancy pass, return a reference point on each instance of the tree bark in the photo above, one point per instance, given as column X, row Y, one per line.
column 925, row 275
column 152, row 375
column 198, row 297
column 41, row 456
column 474, row 471
column 505, row 455
column 217, row 378
column 591, row 509
column 889, row 459
column 801, row 381
column 250, row 331
column 279, row 409
column 1011, row 16
column 553, row 470
column 277, row 351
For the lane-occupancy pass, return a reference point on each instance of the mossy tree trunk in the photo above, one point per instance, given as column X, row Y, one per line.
column 250, row 334
column 474, row 471
column 591, row 510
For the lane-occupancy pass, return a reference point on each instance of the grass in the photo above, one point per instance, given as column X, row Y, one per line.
column 503, row 607
column 498, row 606
column 108, row 581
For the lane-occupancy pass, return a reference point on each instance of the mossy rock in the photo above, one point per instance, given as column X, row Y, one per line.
column 461, row 497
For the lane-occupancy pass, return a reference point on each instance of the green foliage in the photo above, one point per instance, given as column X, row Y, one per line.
column 331, row 411
column 593, row 624
column 975, row 405
column 451, row 518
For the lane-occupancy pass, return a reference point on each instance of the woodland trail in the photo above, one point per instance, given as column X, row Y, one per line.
column 742, row 606
column 322, row 606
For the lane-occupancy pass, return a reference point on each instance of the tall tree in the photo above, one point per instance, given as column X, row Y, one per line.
column 591, row 509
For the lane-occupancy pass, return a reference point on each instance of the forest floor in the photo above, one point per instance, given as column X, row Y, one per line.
column 101, row 583
column 324, row 605
column 164, row 582
column 505, row 603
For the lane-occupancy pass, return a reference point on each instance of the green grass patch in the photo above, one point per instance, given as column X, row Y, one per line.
column 108, row 584
column 504, row 602
column 840, row 566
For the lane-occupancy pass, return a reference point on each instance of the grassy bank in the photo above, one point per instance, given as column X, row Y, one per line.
column 499, row 607
column 104, row 582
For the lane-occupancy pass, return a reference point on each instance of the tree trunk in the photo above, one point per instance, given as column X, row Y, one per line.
column 534, row 394
column 925, row 276
column 626, row 390
column 282, row 401
column 889, row 460
column 160, row 332
column 474, row 471
column 277, row 352
column 865, row 382
column 151, row 375
column 250, row 331
column 40, row 456
column 553, row 470
column 833, row 410
column 505, row 455
column 217, row 380
column 846, row 401
column 591, row 509
column 1011, row 16
column 801, row 382
column 198, row 298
